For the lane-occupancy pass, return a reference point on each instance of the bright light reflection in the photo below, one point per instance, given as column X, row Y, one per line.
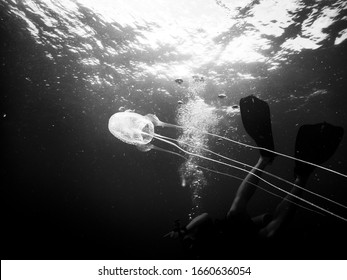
column 186, row 32
column 342, row 37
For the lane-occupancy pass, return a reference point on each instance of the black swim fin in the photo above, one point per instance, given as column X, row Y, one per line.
column 315, row 143
column 255, row 114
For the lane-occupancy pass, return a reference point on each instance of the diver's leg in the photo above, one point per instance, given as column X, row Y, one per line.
column 314, row 143
column 256, row 119
column 247, row 188
column 285, row 210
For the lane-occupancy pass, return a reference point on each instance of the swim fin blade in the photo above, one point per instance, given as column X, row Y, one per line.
column 315, row 143
column 255, row 115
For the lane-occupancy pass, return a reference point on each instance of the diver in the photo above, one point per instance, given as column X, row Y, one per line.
column 204, row 237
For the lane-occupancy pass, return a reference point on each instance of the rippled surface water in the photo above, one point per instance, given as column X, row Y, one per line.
column 72, row 190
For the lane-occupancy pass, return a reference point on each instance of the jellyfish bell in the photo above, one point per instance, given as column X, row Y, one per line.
column 131, row 128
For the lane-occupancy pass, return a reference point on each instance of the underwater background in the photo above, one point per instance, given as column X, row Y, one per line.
column 71, row 190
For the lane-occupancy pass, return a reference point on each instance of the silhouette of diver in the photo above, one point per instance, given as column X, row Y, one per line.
column 238, row 232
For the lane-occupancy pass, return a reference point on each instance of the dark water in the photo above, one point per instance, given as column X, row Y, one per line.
column 70, row 190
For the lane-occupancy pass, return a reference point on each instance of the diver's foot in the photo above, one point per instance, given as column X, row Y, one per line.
column 267, row 159
column 267, row 156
